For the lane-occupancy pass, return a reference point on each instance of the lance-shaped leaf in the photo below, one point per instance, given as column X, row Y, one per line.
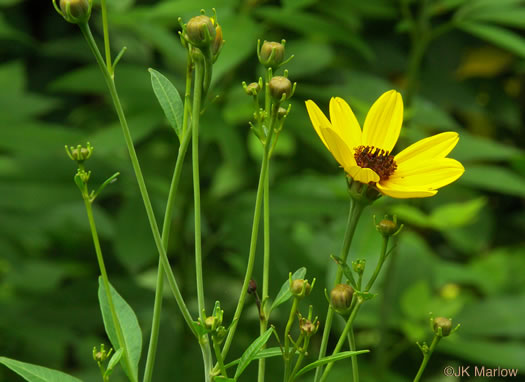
column 325, row 360
column 130, row 329
column 35, row 373
column 251, row 353
column 169, row 100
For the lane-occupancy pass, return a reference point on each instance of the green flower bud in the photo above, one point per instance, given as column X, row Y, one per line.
column 282, row 112
column 387, row 227
column 210, row 323
column 300, row 288
column 444, row 324
column 75, row 11
column 280, row 86
column 79, row 153
column 200, row 31
column 271, row 54
column 252, row 89
column 341, row 297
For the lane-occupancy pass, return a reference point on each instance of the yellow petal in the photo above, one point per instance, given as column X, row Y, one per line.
column 433, row 174
column 404, row 193
column 341, row 152
column 344, row 122
column 319, row 120
column 437, row 146
column 383, row 122
column 363, row 175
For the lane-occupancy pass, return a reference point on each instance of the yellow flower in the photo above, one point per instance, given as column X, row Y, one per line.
column 416, row 172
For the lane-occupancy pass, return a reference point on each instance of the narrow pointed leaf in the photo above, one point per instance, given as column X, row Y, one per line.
column 250, row 354
column 265, row 353
column 169, row 100
column 501, row 37
column 284, row 293
column 332, row 358
column 35, row 373
column 130, row 328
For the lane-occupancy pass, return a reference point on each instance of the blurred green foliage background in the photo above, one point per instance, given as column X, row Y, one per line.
column 461, row 254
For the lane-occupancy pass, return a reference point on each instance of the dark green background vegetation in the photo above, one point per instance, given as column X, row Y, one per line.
column 461, row 254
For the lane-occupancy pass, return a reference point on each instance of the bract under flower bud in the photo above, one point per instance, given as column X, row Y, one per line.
column 76, row 11
column 280, row 86
column 271, row 54
column 444, row 324
column 341, row 297
column 217, row 42
column 200, row 31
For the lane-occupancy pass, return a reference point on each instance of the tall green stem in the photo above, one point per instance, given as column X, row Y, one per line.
column 159, row 288
column 197, row 95
column 426, row 357
column 342, row 339
column 254, row 235
column 105, row 28
column 353, row 217
column 266, row 231
column 355, row 366
column 286, row 353
column 380, row 263
column 105, row 281
column 140, row 178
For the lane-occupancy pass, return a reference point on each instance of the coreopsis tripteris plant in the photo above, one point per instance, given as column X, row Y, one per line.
column 416, row 172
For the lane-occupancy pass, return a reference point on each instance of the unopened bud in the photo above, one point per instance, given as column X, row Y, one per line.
column 252, row 286
column 252, row 89
column 271, row 54
column 444, row 324
column 209, row 323
column 341, row 297
column 300, row 288
column 200, row 31
column 280, row 86
column 75, row 11
column 282, row 112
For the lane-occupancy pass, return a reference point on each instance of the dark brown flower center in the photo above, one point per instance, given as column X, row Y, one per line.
column 375, row 159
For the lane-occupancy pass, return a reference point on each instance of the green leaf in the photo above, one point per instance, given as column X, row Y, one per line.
column 220, row 378
column 332, row 358
column 454, row 215
column 494, row 178
column 130, row 328
column 265, row 353
column 284, row 293
column 169, row 100
column 501, row 37
column 251, row 352
column 34, row 373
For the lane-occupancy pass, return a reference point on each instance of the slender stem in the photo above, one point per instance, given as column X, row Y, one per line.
column 353, row 217
column 426, row 357
column 379, row 265
column 266, row 269
column 220, row 361
column 300, row 359
column 159, row 288
column 140, row 178
column 287, row 356
column 355, row 366
column 342, row 339
column 105, row 281
column 197, row 95
column 253, row 241
column 107, row 48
